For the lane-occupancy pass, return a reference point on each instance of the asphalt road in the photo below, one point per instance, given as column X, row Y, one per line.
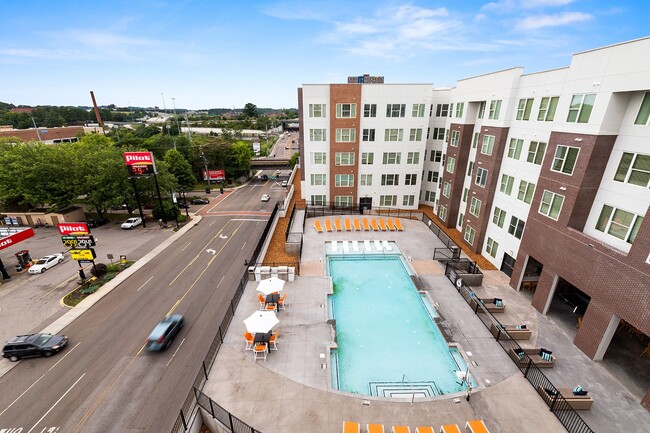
column 104, row 381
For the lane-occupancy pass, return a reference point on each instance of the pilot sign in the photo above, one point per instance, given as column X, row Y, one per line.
column 140, row 163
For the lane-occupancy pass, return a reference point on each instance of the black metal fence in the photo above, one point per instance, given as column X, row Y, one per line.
column 569, row 418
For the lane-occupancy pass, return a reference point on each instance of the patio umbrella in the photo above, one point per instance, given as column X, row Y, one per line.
column 261, row 321
column 270, row 285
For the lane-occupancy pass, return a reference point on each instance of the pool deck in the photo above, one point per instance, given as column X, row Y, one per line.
column 289, row 392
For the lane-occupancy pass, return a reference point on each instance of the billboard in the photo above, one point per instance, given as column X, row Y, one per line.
column 85, row 254
column 218, row 175
column 140, row 163
column 73, row 229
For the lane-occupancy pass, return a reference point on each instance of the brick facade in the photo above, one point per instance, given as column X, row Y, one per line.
column 460, row 154
column 344, row 94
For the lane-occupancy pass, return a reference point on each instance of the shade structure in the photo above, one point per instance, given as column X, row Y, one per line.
column 270, row 285
column 261, row 321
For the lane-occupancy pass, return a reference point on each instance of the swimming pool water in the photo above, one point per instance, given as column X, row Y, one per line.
column 385, row 335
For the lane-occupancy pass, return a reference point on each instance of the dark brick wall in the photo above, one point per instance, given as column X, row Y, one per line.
column 344, row 94
column 461, row 155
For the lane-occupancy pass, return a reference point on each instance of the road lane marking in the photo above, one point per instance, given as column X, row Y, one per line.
column 220, row 281
column 186, row 246
column 211, row 251
column 144, row 283
column 175, row 351
column 37, row 380
column 57, row 402
column 242, row 247
column 247, row 219
column 212, row 223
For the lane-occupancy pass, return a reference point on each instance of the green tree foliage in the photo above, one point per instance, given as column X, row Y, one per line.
column 294, row 159
column 250, row 110
column 239, row 162
column 180, row 168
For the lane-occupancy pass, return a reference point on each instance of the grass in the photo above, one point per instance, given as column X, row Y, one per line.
column 93, row 284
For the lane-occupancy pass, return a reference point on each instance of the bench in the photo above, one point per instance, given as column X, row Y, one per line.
column 535, row 357
column 577, row 402
column 489, row 305
column 516, row 334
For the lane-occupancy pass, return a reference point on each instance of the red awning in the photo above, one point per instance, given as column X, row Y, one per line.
column 14, row 238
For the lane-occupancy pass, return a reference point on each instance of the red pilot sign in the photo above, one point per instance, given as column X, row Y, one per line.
column 140, row 163
column 73, row 229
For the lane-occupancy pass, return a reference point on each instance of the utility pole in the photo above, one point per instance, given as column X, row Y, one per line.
column 162, row 95
column 207, row 175
column 38, row 134
column 176, row 119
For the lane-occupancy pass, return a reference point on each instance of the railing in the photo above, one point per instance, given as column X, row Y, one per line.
column 229, row 421
column 287, row 231
column 433, row 226
column 542, row 385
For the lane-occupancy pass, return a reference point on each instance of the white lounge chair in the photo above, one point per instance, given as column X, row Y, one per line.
column 355, row 246
column 378, row 246
column 346, row 247
column 334, row 246
column 387, row 246
column 367, row 246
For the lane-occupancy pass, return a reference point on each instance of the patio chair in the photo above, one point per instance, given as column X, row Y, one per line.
column 318, row 226
column 386, row 245
column 328, row 225
column 346, row 247
column 401, row 429
column 282, row 302
column 335, row 246
column 348, row 224
column 374, row 225
column 262, row 300
column 271, row 307
column 367, row 246
column 375, row 428
column 382, row 225
column 390, row 225
column 378, row 246
column 273, row 341
column 476, row 426
column 337, row 225
column 260, row 350
column 357, row 224
column 365, row 224
column 351, row 427
column 355, row 246
column 449, row 428
column 250, row 340
column 398, row 224
column 424, row 429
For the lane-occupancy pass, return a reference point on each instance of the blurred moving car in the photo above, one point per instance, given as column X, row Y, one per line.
column 200, row 201
column 96, row 222
column 266, row 197
column 29, row 345
column 45, row 263
column 285, row 183
column 162, row 335
column 264, row 177
column 131, row 223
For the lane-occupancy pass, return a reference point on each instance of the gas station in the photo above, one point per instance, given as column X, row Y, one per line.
column 10, row 236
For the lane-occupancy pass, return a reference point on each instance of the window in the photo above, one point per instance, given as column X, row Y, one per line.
column 495, row 107
column 547, row 109
column 446, row 189
column 619, row 223
column 524, row 108
column 430, row 195
column 436, row 156
column 536, row 151
column 366, row 180
column 551, row 204
column 392, row 157
column 470, row 168
column 465, row 192
column 318, row 179
column 442, row 110
column 343, row 201
column 317, row 134
column 475, row 140
column 455, row 138
column 481, row 110
column 411, row 179
column 565, row 159
column 580, row 108
column 475, row 207
column 415, row 134
column 644, row 111
column 344, row 158
column 451, row 163
column 318, row 200
column 438, row 133
column 389, row 179
column 506, row 184
column 387, row 200
column 435, row 176
column 516, row 227
column 368, row 135
column 367, row 158
column 408, row 200
column 499, row 217
column 442, row 213
column 418, row 110
column 514, row 148
column 369, row 110
column 526, row 191
column 492, row 247
column 634, row 168
column 488, row 144
column 344, row 180
column 346, row 111
column 319, row 158
column 469, row 234
column 317, row 110
column 481, row 177
column 460, row 220
column 395, row 110
column 346, row 135
column 413, row 158
column 393, row 134
column 451, row 109
column 460, row 107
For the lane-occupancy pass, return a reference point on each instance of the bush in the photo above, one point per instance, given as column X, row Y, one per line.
column 99, row 269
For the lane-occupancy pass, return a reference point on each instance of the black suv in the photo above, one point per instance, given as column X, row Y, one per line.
column 200, row 201
column 25, row 346
column 96, row 222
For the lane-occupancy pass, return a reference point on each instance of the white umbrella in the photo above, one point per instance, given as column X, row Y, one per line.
column 261, row 321
column 270, row 285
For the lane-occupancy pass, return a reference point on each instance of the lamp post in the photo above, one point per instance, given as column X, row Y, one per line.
column 182, row 191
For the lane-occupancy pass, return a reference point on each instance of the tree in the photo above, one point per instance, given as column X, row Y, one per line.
column 294, row 159
column 240, row 159
column 180, row 168
column 250, row 110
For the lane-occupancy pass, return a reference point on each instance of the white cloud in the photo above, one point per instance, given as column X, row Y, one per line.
column 545, row 3
column 556, row 20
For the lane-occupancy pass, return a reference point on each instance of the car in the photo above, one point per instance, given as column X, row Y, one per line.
column 266, row 197
column 131, row 223
column 162, row 335
column 96, row 222
column 285, row 183
column 30, row 345
column 45, row 263
column 278, row 172
column 264, row 177
column 200, row 201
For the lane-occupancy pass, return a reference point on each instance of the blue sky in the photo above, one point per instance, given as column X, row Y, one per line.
column 206, row 54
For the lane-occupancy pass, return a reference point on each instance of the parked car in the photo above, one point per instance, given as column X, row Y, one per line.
column 131, row 223
column 200, row 201
column 25, row 346
column 266, row 197
column 285, row 183
column 96, row 222
column 162, row 335
column 45, row 263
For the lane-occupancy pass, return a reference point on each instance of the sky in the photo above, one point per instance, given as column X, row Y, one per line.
column 199, row 54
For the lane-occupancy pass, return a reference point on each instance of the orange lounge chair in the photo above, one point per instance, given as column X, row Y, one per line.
column 260, row 350
column 250, row 340
column 398, row 224
column 382, row 225
column 366, row 226
column 351, row 427
column 449, row 428
column 348, row 224
column 337, row 225
column 328, row 225
column 477, row 426
column 390, row 225
column 273, row 341
column 282, row 302
column 424, row 429
column 401, row 429
column 375, row 428
column 262, row 300
column 317, row 226
column 357, row 224
column 374, row 225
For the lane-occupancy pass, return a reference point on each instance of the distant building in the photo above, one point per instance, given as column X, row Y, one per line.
column 46, row 135
column 27, row 110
